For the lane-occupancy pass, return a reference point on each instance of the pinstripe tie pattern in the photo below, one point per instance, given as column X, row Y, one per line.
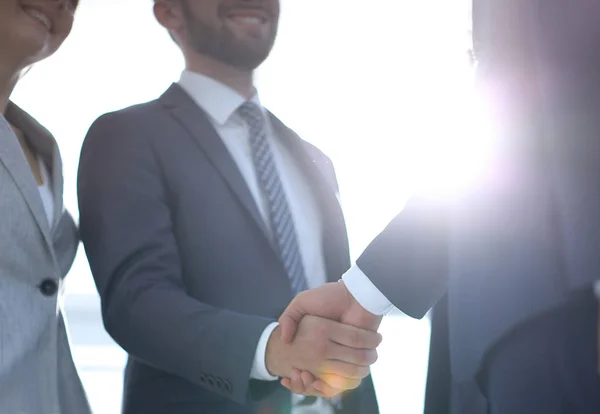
column 282, row 223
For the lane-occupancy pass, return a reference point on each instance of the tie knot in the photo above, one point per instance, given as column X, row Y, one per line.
column 252, row 114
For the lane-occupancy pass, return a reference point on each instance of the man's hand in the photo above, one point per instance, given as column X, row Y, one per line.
column 332, row 301
column 338, row 354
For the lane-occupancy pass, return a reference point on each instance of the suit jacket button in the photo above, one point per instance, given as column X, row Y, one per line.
column 49, row 287
column 211, row 382
column 227, row 385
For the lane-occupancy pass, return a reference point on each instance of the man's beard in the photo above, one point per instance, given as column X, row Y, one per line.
column 223, row 46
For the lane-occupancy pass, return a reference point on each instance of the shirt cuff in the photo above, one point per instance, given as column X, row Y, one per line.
column 259, row 367
column 597, row 289
column 366, row 293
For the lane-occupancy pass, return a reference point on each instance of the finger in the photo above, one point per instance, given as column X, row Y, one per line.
column 293, row 385
column 289, row 321
column 287, row 383
column 361, row 357
column 345, row 370
column 326, row 390
column 337, row 382
column 307, row 379
column 354, row 337
column 297, row 384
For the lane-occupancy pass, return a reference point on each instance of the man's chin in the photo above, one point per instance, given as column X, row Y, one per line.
column 242, row 54
column 246, row 59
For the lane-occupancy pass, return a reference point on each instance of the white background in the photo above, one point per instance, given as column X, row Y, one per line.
column 379, row 85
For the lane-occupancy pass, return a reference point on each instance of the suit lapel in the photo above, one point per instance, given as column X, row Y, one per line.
column 335, row 240
column 311, row 167
column 11, row 155
column 196, row 122
column 46, row 147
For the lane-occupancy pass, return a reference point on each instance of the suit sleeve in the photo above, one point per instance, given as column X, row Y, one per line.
column 127, row 231
column 408, row 261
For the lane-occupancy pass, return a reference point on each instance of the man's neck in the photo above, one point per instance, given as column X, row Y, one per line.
column 238, row 80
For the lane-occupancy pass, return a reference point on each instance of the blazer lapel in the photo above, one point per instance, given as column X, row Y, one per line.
column 11, row 155
column 195, row 121
column 326, row 185
column 45, row 146
column 335, row 239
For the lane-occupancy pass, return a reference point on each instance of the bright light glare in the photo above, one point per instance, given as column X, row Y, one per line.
column 459, row 152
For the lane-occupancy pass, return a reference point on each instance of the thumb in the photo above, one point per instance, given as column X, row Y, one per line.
column 290, row 319
column 327, row 301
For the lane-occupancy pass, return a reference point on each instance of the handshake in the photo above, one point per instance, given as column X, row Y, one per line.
column 325, row 342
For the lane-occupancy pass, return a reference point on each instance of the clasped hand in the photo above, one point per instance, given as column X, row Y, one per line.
column 352, row 338
column 338, row 354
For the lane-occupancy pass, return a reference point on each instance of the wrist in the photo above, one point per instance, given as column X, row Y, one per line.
column 356, row 315
column 365, row 293
column 259, row 367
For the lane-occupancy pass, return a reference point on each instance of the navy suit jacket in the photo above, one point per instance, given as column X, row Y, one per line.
column 554, row 44
column 182, row 259
column 521, row 242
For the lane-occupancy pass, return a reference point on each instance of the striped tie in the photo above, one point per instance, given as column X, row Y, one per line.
column 282, row 223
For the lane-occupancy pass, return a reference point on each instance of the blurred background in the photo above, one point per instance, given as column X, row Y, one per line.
column 383, row 87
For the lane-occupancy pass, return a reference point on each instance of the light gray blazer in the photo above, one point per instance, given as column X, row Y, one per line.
column 37, row 373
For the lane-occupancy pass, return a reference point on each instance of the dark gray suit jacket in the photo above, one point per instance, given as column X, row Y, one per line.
column 182, row 259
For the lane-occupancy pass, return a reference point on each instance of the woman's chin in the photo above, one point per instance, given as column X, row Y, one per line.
column 35, row 47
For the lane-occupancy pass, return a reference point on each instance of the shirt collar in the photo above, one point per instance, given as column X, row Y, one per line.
column 219, row 101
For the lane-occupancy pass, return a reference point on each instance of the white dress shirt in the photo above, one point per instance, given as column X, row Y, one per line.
column 220, row 103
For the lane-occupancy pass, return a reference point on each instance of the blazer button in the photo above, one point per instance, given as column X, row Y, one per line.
column 227, row 386
column 49, row 287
